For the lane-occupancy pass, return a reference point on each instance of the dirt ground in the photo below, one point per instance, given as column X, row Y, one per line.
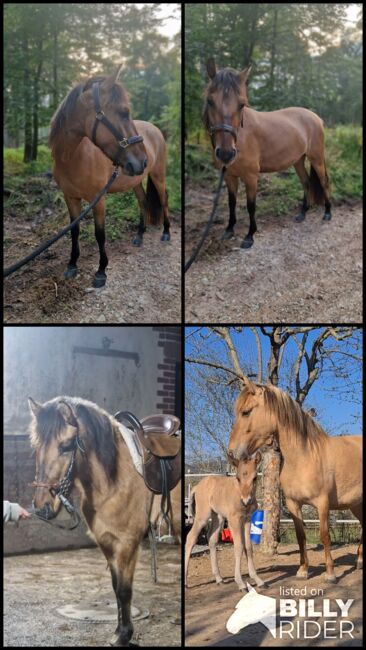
column 208, row 605
column 66, row 599
column 295, row 272
column 143, row 284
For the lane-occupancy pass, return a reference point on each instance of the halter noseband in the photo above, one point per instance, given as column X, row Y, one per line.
column 100, row 117
column 223, row 127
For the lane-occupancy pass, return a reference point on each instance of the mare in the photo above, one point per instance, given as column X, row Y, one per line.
column 231, row 498
column 318, row 470
column 84, row 156
column 247, row 143
column 78, row 443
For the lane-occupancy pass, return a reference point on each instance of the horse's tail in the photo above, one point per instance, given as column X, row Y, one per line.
column 191, row 507
column 154, row 204
column 316, row 192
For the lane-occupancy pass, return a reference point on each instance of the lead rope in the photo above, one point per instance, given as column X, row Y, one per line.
column 209, row 223
column 47, row 244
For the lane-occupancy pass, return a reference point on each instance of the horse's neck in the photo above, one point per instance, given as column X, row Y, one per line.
column 65, row 147
column 294, row 455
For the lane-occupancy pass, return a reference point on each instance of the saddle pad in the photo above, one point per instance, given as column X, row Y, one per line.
column 130, row 440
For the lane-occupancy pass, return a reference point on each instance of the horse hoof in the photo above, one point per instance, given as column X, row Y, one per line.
column 300, row 217
column 327, row 217
column 70, row 272
column 99, row 280
column 137, row 241
column 246, row 243
column 330, row 578
column 359, row 564
column 303, row 575
column 165, row 236
column 228, row 234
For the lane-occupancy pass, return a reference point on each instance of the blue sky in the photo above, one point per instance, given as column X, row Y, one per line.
column 336, row 395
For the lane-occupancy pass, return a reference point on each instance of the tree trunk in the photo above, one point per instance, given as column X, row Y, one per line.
column 271, row 502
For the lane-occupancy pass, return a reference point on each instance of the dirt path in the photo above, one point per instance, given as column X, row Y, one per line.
column 66, row 599
column 143, row 284
column 208, row 606
column 295, row 272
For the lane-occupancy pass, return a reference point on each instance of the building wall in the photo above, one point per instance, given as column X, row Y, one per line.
column 40, row 362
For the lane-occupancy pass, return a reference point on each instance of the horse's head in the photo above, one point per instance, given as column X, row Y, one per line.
column 54, row 435
column 255, row 425
column 246, row 476
column 225, row 98
column 109, row 124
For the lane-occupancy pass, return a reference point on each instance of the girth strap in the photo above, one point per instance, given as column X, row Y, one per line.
column 100, row 117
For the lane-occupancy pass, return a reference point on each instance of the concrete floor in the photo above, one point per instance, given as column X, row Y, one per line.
column 66, row 599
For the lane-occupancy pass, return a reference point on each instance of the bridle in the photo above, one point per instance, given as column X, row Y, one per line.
column 62, row 488
column 227, row 127
column 223, row 127
column 123, row 142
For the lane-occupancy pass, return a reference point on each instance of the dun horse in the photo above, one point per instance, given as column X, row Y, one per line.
column 318, row 470
column 247, row 143
column 231, row 498
column 79, row 443
column 91, row 131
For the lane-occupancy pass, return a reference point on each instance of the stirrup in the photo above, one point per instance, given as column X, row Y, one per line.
column 165, row 539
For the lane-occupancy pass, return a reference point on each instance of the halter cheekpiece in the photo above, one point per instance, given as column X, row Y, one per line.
column 123, row 142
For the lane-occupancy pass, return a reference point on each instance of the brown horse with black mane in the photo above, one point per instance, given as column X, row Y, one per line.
column 247, row 142
column 78, row 443
column 92, row 130
column 318, row 470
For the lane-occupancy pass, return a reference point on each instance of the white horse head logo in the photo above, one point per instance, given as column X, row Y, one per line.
column 253, row 608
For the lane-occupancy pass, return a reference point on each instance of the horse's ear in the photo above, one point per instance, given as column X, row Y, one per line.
column 119, row 71
column 258, row 457
column 233, row 461
column 67, row 413
column 248, row 385
column 211, row 68
column 34, row 406
column 244, row 74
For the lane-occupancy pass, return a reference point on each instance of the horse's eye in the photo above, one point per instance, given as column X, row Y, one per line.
column 210, row 103
column 245, row 413
column 67, row 447
column 241, row 106
column 125, row 113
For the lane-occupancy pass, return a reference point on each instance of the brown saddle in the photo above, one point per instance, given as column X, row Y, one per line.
column 160, row 448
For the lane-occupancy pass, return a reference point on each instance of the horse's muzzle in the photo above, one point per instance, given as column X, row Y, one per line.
column 226, row 156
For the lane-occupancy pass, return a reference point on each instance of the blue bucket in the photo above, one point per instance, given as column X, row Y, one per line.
column 256, row 526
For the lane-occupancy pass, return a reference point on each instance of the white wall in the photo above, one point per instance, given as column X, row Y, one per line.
column 39, row 362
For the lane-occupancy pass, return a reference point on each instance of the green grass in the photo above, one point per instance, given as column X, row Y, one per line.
column 281, row 192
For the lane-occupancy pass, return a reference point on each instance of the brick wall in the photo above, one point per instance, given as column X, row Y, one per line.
column 169, row 377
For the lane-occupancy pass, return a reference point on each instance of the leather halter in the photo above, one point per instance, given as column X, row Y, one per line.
column 223, row 127
column 123, row 142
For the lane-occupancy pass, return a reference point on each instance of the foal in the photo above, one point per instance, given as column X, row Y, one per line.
column 231, row 498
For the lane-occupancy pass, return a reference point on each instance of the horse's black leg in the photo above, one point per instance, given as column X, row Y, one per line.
column 141, row 228
column 74, row 206
column 232, row 188
column 124, row 629
column 99, row 221
column 304, row 209
column 248, row 240
column 166, row 223
column 327, row 213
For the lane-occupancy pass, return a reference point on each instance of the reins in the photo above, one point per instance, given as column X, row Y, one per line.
column 208, row 224
column 61, row 233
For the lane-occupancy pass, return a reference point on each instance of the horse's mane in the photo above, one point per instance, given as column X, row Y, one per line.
column 97, row 422
column 116, row 95
column 227, row 79
column 292, row 419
